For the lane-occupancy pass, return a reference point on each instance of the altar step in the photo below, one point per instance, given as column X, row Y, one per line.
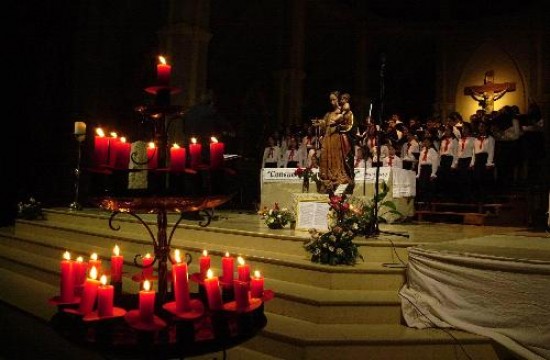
column 326, row 303
column 318, row 312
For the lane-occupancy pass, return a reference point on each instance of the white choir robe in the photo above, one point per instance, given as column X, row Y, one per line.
column 428, row 157
column 272, row 154
column 464, row 149
column 393, row 161
column 294, row 155
column 409, row 149
column 485, row 144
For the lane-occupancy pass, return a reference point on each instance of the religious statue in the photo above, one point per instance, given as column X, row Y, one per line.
column 489, row 92
column 335, row 146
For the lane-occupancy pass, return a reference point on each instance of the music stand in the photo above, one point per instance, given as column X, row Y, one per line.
column 374, row 226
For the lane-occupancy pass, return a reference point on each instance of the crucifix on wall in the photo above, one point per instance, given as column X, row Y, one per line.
column 489, row 92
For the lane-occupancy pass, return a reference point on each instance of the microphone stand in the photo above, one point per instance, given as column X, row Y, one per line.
column 374, row 227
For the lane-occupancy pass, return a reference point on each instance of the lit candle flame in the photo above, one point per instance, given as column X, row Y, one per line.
column 194, row 140
column 80, row 259
column 67, row 255
column 151, row 145
column 100, row 132
column 146, row 285
column 213, row 139
column 240, row 260
column 93, row 256
column 226, row 254
column 116, row 250
column 122, row 139
column 162, row 60
column 114, row 134
column 93, row 273
column 204, row 253
column 177, row 256
column 103, row 280
column 147, row 255
column 257, row 274
column 176, row 146
column 209, row 274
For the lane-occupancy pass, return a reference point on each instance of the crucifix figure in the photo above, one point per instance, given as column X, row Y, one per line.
column 489, row 92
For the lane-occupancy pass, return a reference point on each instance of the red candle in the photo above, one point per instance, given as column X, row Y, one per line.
column 152, row 156
column 122, row 154
column 80, row 269
column 113, row 149
column 213, row 293
column 204, row 263
column 116, row 265
column 257, row 285
column 105, row 296
column 147, row 271
column 195, row 153
column 243, row 270
column 100, row 156
column 163, row 72
column 147, row 302
column 216, row 153
column 67, row 278
column 181, row 284
column 240, row 289
column 94, row 262
column 177, row 158
column 89, row 294
column 228, row 265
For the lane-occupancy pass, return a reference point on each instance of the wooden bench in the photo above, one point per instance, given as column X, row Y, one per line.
column 468, row 218
column 453, row 207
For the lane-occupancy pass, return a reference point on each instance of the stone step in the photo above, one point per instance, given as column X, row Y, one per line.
column 40, row 260
column 288, row 338
column 219, row 234
column 293, row 268
column 291, row 338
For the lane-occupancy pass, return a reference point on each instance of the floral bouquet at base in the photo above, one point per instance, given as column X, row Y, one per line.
column 276, row 217
column 348, row 217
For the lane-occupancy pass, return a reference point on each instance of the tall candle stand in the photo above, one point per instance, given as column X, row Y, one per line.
column 75, row 205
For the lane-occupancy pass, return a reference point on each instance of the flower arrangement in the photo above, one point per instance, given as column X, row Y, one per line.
column 276, row 217
column 306, row 174
column 348, row 217
column 30, row 210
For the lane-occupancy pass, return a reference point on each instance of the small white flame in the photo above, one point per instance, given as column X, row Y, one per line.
column 146, row 285
column 240, row 260
column 116, row 250
column 67, row 255
column 103, row 280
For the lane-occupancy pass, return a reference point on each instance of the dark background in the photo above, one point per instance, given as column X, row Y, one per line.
column 90, row 61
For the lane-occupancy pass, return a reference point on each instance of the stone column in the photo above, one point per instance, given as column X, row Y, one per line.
column 289, row 80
